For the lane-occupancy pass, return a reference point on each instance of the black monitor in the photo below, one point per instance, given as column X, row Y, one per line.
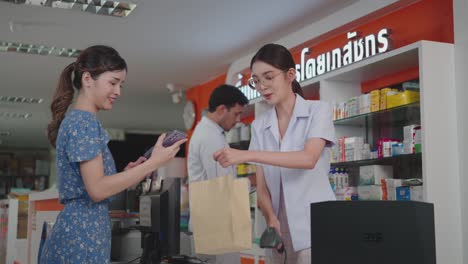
column 160, row 222
column 365, row 232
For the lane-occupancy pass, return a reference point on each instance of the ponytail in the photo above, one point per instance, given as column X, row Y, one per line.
column 296, row 87
column 62, row 99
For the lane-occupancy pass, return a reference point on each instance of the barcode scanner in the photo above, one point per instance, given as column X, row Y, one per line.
column 271, row 239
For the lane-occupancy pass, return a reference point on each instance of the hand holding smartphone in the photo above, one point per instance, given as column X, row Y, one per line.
column 171, row 138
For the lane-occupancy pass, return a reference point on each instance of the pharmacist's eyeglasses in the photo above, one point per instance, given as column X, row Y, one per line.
column 267, row 80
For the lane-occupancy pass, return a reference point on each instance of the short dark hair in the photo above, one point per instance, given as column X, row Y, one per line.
column 227, row 95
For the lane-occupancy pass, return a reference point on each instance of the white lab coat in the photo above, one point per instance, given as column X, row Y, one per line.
column 301, row 187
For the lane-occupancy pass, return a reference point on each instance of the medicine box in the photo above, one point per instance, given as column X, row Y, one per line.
column 392, row 184
column 402, row 98
column 373, row 174
column 370, row 193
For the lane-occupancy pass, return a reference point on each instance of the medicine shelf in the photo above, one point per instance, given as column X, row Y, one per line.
column 415, row 157
column 401, row 115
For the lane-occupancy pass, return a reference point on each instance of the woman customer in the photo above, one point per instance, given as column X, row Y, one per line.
column 86, row 170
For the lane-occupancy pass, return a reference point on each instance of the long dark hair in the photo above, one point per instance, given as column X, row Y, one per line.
column 279, row 57
column 95, row 60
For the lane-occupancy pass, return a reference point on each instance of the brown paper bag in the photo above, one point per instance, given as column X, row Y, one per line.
column 220, row 215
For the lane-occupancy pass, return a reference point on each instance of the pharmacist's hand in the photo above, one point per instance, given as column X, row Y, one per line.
column 161, row 155
column 133, row 164
column 229, row 156
column 275, row 223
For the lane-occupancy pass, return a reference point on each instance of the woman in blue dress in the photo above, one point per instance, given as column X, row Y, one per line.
column 86, row 170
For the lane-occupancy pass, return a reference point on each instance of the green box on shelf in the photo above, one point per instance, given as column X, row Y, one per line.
column 417, row 148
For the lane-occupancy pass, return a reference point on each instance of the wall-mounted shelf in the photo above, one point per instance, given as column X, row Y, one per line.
column 404, row 114
column 381, row 161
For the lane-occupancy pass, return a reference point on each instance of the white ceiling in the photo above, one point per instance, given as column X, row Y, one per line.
column 182, row 42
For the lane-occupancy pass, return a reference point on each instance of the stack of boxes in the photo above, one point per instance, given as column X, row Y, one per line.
column 370, row 181
column 377, row 100
column 391, row 185
column 375, row 183
column 353, row 148
column 350, row 149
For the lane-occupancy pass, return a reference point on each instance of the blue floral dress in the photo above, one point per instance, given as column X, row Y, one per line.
column 82, row 231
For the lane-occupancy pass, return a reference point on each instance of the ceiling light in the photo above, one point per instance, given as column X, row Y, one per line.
column 37, row 49
column 4, row 133
column 175, row 92
column 20, row 100
column 12, row 115
column 101, row 7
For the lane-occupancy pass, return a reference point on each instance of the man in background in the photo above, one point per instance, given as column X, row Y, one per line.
column 226, row 105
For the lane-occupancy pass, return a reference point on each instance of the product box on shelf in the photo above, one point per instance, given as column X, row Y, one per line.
column 402, row 98
column 353, row 148
column 384, row 147
column 397, row 149
column 403, row 193
column 245, row 169
column 352, row 107
column 417, row 140
column 409, row 132
column 348, row 193
column 383, row 96
column 410, row 85
column 375, row 100
column 411, row 137
column 373, row 174
column 416, row 193
column 391, row 185
column 410, row 193
column 370, row 193
column 364, row 103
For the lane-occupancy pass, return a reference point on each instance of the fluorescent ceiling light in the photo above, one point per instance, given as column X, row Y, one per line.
column 20, row 100
column 12, row 115
column 101, row 7
column 37, row 49
column 4, row 133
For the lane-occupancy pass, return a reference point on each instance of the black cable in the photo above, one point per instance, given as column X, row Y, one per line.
column 285, row 256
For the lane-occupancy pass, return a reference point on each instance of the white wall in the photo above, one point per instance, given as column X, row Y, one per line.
column 461, row 83
column 343, row 16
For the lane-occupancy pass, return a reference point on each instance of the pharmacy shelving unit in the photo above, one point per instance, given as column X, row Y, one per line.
column 387, row 123
column 13, row 243
column 439, row 163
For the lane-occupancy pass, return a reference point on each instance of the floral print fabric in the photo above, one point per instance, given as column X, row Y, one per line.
column 82, row 231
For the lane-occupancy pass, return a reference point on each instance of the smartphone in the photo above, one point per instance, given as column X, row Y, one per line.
column 171, row 138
